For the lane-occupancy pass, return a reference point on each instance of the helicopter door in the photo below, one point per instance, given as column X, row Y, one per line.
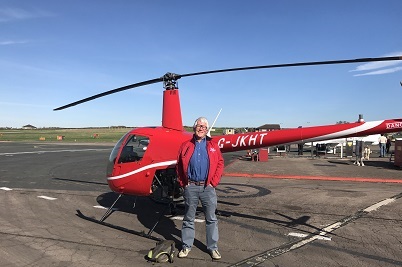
column 134, row 149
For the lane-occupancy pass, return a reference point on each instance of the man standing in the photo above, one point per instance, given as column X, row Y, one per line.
column 382, row 142
column 199, row 168
column 300, row 148
column 388, row 145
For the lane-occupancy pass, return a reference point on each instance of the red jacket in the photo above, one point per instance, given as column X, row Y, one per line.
column 216, row 163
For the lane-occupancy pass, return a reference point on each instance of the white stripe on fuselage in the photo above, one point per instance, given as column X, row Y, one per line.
column 150, row 166
column 365, row 126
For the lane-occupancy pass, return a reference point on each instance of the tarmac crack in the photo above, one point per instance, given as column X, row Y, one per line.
column 287, row 247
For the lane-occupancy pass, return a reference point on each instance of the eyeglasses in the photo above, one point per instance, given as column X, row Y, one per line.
column 202, row 127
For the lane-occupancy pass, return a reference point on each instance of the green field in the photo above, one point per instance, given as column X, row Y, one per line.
column 93, row 135
column 81, row 135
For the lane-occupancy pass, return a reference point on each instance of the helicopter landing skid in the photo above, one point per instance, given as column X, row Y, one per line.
column 110, row 209
column 142, row 234
column 171, row 206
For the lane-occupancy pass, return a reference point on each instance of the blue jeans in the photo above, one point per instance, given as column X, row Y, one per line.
column 209, row 201
column 382, row 150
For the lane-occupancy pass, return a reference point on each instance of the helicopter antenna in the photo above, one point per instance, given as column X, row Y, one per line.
column 209, row 131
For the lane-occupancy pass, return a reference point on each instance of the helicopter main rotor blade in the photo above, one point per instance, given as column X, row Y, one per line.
column 172, row 76
column 110, row 92
column 357, row 60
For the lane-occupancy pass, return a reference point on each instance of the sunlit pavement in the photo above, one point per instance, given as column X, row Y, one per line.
column 283, row 212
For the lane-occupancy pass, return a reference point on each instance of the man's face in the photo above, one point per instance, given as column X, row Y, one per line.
column 200, row 130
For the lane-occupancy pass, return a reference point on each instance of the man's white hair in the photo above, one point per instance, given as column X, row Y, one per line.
column 201, row 119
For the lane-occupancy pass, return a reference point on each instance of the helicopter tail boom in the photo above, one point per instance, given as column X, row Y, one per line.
column 238, row 142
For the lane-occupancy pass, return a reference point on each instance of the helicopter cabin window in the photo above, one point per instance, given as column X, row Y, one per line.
column 134, row 149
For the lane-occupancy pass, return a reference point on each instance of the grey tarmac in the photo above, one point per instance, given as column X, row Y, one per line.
column 267, row 217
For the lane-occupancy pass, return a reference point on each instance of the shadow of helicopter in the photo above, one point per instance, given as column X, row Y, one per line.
column 155, row 216
column 298, row 221
column 291, row 223
column 148, row 213
column 379, row 164
column 152, row 215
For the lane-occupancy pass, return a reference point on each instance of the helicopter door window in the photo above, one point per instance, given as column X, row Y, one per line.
column 134, row 149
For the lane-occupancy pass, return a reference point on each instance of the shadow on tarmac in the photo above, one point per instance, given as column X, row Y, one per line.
column 148, row 212
column 380, row 164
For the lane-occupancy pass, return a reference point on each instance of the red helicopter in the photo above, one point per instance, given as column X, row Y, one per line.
column 142, row 162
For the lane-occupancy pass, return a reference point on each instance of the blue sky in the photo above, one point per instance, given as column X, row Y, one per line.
column 56, row 52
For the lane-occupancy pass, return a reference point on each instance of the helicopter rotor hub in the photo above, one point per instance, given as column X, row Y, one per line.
column 170, row 80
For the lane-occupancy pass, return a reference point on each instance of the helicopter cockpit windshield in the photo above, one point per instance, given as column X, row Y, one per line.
column 134, row 149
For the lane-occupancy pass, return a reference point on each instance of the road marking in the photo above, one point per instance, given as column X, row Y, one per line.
column 5, row 188
column 100, row 207
column 305, row 235
column 47, row 198
column 180, row 218
column 104, row 208
column 297, row 234
column 53, row 151
column 379, row 204
column 287, row 247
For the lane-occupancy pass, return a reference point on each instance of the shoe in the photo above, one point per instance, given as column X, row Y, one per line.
column 183, row 253
column 215, row 255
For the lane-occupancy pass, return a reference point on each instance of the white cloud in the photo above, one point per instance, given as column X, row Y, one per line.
column 10, row 14
column 25, row 105
column 26, row 68
column 10, row 42
column 7, row 14
column 378, row 72
column 376, row 65
column 383, row 65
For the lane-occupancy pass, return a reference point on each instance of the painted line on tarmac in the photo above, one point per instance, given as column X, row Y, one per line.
column 52, row 151
column 47, row 198
column 105, row 208
column 180, row 218
column 327, row 238
column 306, row 177
column 5, row 188
column 100, row 207
column 272, row 253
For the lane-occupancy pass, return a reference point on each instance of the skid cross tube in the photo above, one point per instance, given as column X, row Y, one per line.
column 110, row 210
